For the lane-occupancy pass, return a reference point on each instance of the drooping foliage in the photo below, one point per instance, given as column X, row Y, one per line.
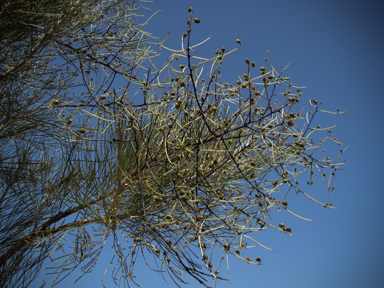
column 100, row 141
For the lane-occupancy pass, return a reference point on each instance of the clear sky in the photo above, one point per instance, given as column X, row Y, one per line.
column 337, row 52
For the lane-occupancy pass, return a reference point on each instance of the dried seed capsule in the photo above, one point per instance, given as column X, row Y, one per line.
column 261, row 223
column 258, row 259
column 282, row 225
column 197, row 20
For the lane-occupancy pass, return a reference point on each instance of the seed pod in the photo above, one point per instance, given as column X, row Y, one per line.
column 226, row 246
column 249, row 259
column 210, row 264
column 282, row 225
column 55, row 102
column 81, row 130
column 285, row 203
column 205, row 257
column 190, row 9
column 217, row 272
column 289, row 229
column 238, row 41
column 157, row 250
column 258, row 259
column 197, row 20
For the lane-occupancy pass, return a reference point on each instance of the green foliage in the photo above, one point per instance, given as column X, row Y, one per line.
column 168, row 165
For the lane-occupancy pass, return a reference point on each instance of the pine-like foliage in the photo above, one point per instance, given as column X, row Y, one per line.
column 175, row 164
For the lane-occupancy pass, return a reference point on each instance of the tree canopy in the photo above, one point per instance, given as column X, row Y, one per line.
column 98, row 140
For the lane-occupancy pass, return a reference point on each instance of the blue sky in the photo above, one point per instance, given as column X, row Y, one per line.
column 336, row 48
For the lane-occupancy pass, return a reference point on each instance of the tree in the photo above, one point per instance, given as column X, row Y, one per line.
column 176, row 165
